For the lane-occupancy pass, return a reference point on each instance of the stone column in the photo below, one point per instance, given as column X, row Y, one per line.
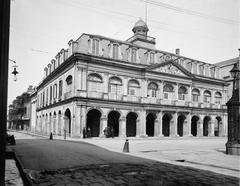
column 158, row 127
column 175, row 92
column 84, row 79
column 77, row 121
column 59, row 124
column 160, row 90
column 173, row 125
column 54, row 125
column 142, row 123
column 200, row 126
column 189, row 122
column 83, row 115
column 103, row 125
column 122, row 127
column 211, row 127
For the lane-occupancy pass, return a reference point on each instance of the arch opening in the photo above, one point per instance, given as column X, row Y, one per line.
column 131, row 124
column 194, row 121
column 150, row 120
column 113, row 122
column 67, row 122
column 166, row 119
column 93, row 122
column 180, row 123
column 205, row 125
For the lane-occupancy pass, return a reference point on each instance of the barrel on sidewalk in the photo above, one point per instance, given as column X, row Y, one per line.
column 126, row 146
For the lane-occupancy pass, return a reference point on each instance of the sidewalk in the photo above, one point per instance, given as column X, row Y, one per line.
column 202, row 153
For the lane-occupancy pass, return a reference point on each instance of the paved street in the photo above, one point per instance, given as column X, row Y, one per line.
column 64, row 162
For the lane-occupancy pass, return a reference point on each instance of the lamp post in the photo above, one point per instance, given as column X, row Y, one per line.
column 14, row 72
column 233, row 143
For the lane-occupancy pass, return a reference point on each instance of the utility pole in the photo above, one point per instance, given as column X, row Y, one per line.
column 4, row 49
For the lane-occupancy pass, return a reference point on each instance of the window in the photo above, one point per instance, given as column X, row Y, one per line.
column 55, row 90
column 218, row 97
column 134, row 55
column 133, row 88
column 69, row 80
column 168, row 91
column 151, row 57
column 60, row 89
column 152, row 89
column 47, row 97
column 206, row 96
column 94, row 83
column 182, row 91
column 195, row 95
column 50, row 94
column 95, row 46
column 115, row 85
column 115, row 51
column 43, row 98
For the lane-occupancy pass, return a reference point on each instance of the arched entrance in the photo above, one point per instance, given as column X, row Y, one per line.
column 113, row 121
column 131, row 124
column 166, row 124
column 93, row 122
column 194, row 125
column 180, row 123
column 67, row 122
column 217, row 126
column 205, row 125
column 150, row 124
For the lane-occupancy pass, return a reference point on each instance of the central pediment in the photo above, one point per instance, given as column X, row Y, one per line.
column 170, row 67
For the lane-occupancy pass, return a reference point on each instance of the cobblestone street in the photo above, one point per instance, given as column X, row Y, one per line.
column 152, row 174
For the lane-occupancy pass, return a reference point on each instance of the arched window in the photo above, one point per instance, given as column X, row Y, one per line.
column 69, row 80
column 182, row 92
column 168, row 91
column 69, row 84
column 207, row 96
column 218, row 97
column 95, row 83
column 195, row 95
column 115, row 51
column 152, row 89
column 133, row 87
column 115, row 85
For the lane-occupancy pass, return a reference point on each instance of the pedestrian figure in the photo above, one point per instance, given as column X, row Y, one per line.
column 84, row 132
column 112, row 132
column 88, row 132
column 51, row 136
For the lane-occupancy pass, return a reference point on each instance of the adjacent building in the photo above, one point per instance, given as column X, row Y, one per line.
column 132, row 87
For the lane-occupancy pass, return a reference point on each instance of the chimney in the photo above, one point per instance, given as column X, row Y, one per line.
column 177, row 51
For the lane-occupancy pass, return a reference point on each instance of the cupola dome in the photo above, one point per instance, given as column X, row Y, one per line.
column 140, row 27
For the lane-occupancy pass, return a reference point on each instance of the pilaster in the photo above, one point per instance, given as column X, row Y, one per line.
column 103, row 125
column 200, row 126
column 173, row 125
column 122, row 127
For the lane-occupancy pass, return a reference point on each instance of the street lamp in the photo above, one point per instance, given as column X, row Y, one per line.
column 14, row 72
column 233, row 105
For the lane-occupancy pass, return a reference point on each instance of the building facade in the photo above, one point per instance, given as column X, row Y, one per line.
column 132, row 87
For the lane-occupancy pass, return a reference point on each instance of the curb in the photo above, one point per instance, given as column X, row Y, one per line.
column 25, row 178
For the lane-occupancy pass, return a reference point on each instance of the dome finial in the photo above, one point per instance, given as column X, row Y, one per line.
column 140, row 27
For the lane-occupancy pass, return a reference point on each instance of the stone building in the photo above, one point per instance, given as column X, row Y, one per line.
column 132, row 87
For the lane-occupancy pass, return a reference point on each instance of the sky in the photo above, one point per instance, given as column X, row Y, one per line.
column 206, row 30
